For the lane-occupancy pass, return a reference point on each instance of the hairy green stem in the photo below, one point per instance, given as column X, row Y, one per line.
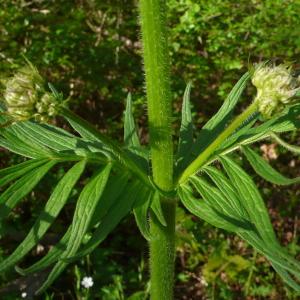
column 156, row 62
column 203, row 156
column 162, row 253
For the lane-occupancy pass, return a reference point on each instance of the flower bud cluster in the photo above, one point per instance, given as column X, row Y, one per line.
column 25, row 97
column 275, row 88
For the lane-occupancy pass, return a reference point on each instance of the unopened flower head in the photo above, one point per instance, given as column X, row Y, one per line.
column 25, row 97
column 275, row 87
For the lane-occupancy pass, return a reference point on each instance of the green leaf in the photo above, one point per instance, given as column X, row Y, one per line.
column 116, row 213
column 10, row 198
column 280, row 265
column 292, row 148
column 203, row 210
column 13, row 134
column 115, row 187
column 186, row 128
column 14, row 144
column 208, row 212
column 157, row 209
column 14, row 172
column 46, row 136
column 227, row 190
column 219, row 203
column 218, row 122
column 251, row 199
column 131, row 138
column 112, row 149
column 84, row 128
column 50, row 258
column 83, row 214
column 54, row 205
column 286, row 121
column 286, row 277
column 263, row 169
column 141, row 211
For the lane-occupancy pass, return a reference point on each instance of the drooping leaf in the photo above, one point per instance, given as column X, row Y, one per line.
column 83, row 214
column 263, row 169
column 54, row 205
column 17, row 191
column 253, row 203
column 281, row 266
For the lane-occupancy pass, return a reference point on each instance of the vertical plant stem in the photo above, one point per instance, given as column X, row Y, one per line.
column 156, row 62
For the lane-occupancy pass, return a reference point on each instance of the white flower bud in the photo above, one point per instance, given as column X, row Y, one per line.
column 275, row 87
column 25, row 97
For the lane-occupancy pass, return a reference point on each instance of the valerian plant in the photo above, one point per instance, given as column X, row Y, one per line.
column 148, row 180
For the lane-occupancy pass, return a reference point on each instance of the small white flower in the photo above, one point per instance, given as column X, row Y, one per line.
column 87, row 282
column 24, row 295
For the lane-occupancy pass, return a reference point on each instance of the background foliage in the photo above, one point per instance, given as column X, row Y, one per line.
column 91, row 51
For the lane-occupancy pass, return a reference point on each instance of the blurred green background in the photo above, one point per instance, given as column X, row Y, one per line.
column 90, row 50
